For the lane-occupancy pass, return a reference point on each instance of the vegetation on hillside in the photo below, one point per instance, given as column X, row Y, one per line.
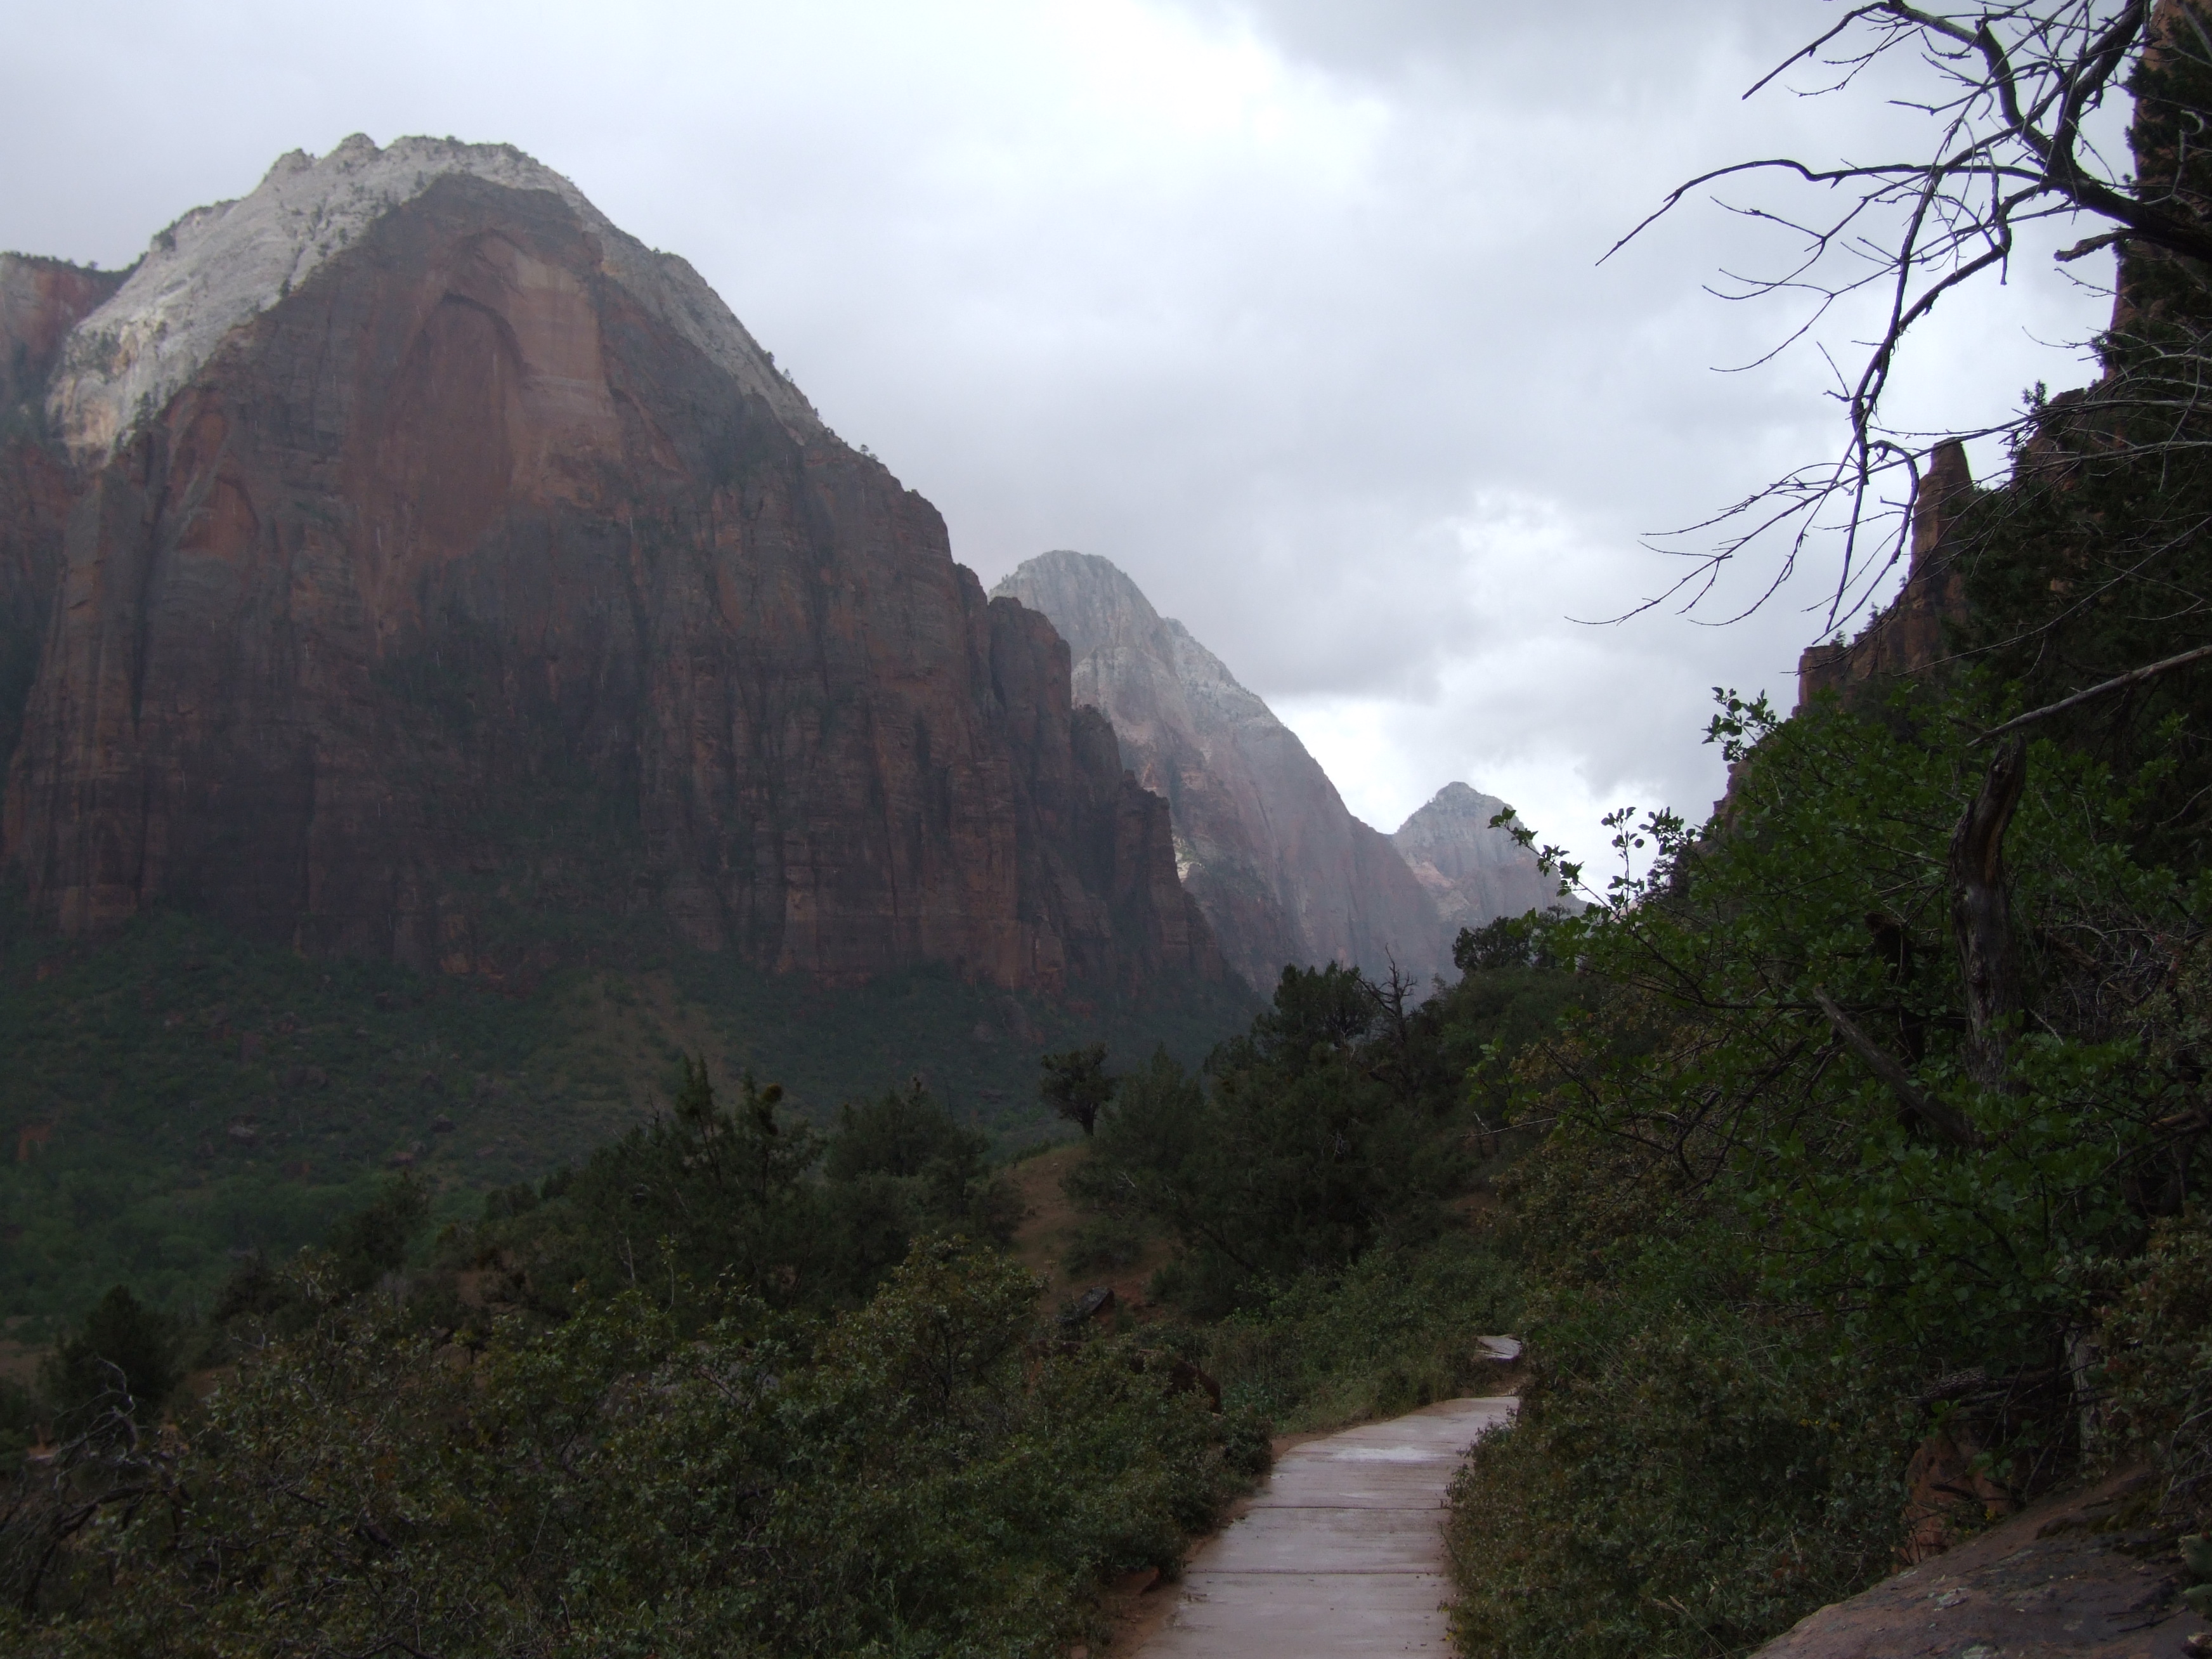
column 1791, row 1221
column 178, row 1098
column 914, row 1476
column 729, row 1385
column 1874, row 1143
column 732, row 1383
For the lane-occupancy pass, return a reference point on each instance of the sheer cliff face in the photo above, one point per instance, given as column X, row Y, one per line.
column 436, row 554
column 1472, row 872
column 40, row 301
column 1283, row 871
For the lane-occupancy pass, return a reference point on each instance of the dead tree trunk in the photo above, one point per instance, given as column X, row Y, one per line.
column 1981, row 913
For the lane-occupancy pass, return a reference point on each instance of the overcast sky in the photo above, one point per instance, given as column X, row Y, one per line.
column 1291, row 308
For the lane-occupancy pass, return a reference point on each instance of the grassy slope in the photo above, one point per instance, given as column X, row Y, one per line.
column 176, row 1096
column 1050, row 1221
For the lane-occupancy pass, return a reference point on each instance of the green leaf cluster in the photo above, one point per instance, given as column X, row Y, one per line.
column 1327, row 1128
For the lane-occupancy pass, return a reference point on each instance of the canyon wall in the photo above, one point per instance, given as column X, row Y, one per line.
column 439, row 561
column 1283, row 870
column 40, row 301
column 1905, row 637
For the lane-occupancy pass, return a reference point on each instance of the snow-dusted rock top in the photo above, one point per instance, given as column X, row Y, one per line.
column 220, row 266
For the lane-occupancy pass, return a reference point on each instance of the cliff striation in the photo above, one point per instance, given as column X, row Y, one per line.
column 41, row 300
column 440, row 560
column 1285, row 874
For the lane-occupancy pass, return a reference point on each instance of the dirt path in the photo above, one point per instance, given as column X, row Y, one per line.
column 1342, row 1553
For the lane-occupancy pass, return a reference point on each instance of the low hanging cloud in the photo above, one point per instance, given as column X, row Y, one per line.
column 1292, row 309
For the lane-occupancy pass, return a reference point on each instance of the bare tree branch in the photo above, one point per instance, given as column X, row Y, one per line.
column 2012, row 86
column 2118, row 682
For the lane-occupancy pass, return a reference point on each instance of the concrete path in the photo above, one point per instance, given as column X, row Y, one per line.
column 1342, row 1552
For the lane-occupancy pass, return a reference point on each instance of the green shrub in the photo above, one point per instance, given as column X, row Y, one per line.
column 919, row 1476
column 1321, row 1132
column 374, row 1240
column 2158, row 1339
column 1102, row 1245
column 1395, row 1331
column 1681, row 1480
column 125, row 1358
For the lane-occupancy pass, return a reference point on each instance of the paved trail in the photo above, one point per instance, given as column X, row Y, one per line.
column 1340, row 1554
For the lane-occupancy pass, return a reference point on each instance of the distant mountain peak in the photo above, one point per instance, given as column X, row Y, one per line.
column 1256, row 820
column 1282, row 869
column 1458, row 816
column 1471, row 872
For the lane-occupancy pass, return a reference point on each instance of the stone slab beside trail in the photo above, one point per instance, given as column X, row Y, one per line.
column 2088, row 1574
column 1342, row 1553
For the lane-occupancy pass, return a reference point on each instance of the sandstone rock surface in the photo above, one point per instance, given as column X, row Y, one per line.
column 2082, row 1575
column 440, row 560
column 1284, row 871
column 220, row 266
column 1905, row 638
column 40, row 301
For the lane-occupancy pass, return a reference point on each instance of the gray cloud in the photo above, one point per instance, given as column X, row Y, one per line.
column 1291, row 308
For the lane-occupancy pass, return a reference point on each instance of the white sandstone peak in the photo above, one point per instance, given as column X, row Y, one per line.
column 223, row 265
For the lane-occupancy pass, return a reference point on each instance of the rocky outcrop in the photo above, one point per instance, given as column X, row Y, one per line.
column 1473, row 873
column 1907, row 637
column 442, row 560
column 1285, row 874
column 41, row 301
column 2090, row 1575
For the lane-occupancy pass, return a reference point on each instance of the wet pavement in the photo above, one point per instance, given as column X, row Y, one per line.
column 1340, row 1554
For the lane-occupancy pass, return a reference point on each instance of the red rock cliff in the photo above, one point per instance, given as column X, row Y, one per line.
column 40, row 301
column 482, row 570
column 1907, row 637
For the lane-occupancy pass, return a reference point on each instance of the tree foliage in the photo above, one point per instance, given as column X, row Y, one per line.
column 1341, row 1120
column 1077, row 1085
column 1785, row 1169
column 125, row 1358
column 1300, row 1146
column 911, row 1477
column 708, row 1193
